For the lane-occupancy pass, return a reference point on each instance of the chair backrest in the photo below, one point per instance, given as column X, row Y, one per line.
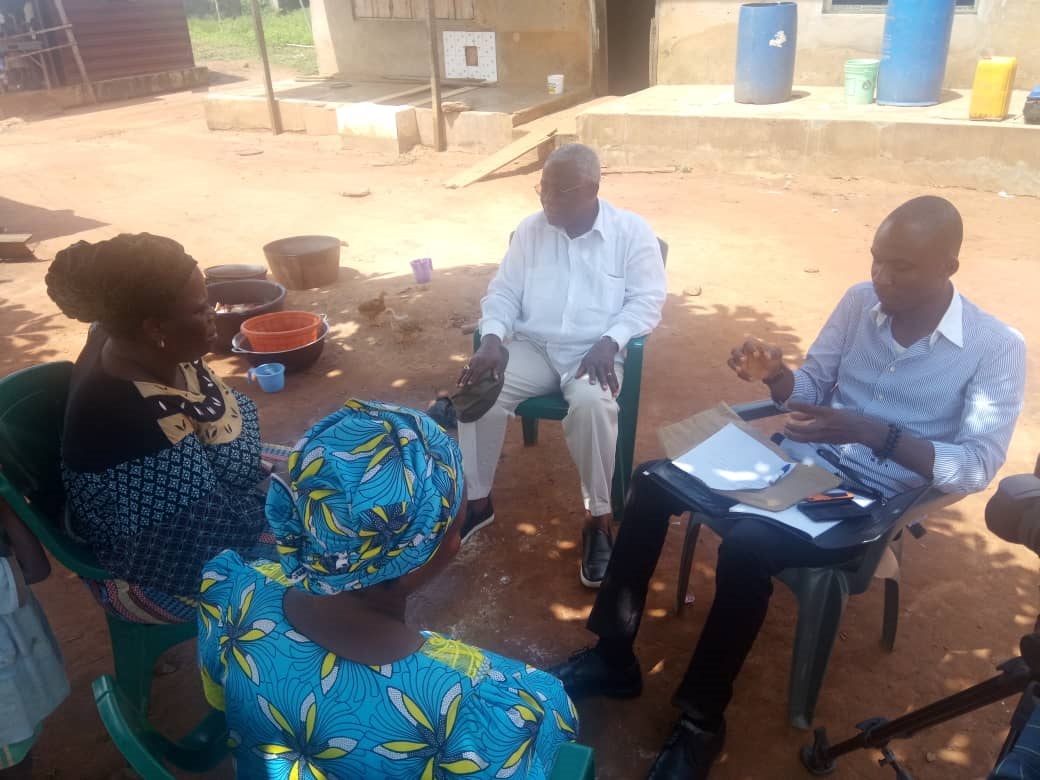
column 32, row 419
column 664, row 250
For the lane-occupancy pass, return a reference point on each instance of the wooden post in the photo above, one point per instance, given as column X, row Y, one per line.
column 71, row 37
column 440, row 141
column 45, row 60
column 272, row 104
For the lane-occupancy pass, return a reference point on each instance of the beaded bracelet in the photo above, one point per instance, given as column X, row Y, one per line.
column 891, row 442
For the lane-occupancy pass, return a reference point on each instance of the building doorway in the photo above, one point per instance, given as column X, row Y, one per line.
column 628, row 26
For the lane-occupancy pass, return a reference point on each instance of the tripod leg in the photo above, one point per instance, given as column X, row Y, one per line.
column 878, row 732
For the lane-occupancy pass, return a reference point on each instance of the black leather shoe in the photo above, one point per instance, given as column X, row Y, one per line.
column 688, row 753
column 474, row 521
column 596, row 547
column 586, row 673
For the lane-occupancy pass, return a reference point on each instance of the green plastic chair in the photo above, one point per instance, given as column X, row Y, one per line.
column 32, row 416
column 148, row 752
column 552, row 406
column 823, row 592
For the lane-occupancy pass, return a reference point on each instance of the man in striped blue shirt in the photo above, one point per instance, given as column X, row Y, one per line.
column 907, row 383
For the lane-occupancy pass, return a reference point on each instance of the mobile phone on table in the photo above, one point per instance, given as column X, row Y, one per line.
column 826, row 512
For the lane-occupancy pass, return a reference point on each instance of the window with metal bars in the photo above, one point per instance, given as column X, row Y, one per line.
column 878, row 6
column 413, row 9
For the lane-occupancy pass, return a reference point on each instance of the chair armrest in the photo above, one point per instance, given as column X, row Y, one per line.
column 573, row 762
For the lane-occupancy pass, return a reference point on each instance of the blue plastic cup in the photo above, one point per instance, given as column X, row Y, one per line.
column 270, row 377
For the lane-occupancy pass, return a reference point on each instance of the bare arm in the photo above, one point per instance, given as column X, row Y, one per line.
column 28, row 551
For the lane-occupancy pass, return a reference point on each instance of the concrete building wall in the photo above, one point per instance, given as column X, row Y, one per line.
column 534, row 38
column 698, row 41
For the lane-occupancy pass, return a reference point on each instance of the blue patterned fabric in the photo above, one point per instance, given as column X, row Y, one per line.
column 158, row 481
column 1023, row 760
column 297, row 711
column 370, row 492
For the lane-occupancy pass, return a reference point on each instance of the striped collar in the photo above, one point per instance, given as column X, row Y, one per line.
column 951, row 326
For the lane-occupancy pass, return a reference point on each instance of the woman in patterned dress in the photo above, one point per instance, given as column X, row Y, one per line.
column 311, row 657
column 161, row 460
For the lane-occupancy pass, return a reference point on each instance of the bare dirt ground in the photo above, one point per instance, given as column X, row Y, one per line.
column 764, row 256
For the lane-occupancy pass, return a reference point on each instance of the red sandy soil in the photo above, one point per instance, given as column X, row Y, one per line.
column 762, row 256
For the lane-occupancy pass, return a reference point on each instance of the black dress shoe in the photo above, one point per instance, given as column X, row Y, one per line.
column 688, row 753
column 477, row 520
column 587, row 673
column 596, row 547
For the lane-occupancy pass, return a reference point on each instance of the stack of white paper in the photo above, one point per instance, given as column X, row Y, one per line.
column 730, row 459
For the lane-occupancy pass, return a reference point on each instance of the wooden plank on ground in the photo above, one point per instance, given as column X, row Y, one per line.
column 15, row 246
column 500, row 159
column 402, row 94
column 449, row 93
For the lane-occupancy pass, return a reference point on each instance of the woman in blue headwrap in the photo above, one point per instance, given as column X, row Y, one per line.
column 311, row 658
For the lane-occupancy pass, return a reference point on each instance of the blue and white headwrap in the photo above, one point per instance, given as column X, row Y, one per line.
column 371, row 491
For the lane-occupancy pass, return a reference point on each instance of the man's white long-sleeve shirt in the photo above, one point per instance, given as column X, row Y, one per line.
column 565, row 294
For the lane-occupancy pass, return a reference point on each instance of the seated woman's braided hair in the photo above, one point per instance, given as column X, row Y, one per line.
column 120, row 282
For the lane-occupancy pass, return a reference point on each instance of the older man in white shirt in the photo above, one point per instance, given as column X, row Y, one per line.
column 581, row 278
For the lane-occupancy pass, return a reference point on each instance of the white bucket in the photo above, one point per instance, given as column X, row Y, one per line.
column 555, row 84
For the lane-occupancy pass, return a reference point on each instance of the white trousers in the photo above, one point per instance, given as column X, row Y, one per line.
column 590, row 427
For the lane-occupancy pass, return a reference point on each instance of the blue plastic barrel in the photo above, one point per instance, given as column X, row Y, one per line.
column 767, row 37
column 914, row 51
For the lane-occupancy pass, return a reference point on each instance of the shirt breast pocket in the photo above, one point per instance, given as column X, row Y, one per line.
column 603, row 299
column 610, row 292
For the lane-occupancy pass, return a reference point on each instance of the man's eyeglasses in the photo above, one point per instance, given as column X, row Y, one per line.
column 546, row 193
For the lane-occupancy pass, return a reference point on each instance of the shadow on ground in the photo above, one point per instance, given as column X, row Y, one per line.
column 17, row 217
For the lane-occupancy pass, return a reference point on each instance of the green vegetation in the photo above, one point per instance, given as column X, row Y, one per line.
column 233, row 38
